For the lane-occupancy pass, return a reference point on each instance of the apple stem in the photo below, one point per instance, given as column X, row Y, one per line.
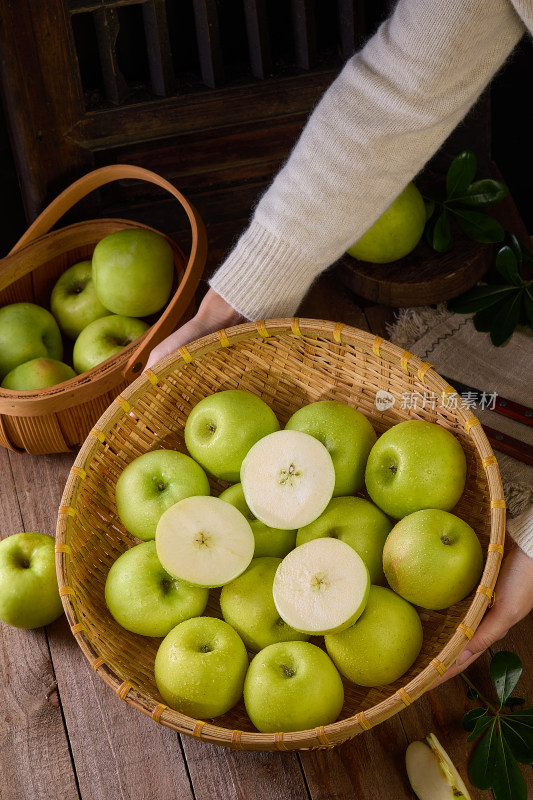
column 445, row 540
column 287, row 671
column 481, row 697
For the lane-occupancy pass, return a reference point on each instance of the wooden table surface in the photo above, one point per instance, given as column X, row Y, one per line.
column 64, row 734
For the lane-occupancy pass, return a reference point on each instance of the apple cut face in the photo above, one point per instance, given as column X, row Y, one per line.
column 204, row 541
column 321, row 587
column 431, row 773
column 288, row 479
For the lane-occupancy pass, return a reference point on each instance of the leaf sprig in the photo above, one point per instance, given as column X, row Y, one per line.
column 464, row 200
column 505, row 300
column 506, row 736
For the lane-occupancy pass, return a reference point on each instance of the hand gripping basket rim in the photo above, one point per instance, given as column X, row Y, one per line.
column 271, row 334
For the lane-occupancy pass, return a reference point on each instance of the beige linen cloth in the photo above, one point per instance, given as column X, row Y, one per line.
column 451, row 343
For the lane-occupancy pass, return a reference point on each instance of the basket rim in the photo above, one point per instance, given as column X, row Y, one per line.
column 341, row 730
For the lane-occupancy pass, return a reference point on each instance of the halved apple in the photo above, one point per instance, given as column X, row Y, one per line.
column 431, row 772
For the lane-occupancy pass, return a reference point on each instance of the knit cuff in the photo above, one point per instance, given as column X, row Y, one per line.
column 521, row 530
column 263, row 276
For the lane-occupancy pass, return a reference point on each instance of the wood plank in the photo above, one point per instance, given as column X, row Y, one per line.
column 304, row 33
column 258, row 37
column 217, row 772
column 352, row 22
column 107, row 26
column 208, row 37
column 158, row 47
column 34, row 750
column 118, row 751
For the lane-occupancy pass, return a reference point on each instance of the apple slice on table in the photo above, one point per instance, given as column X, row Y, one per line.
column 346, row 433
column 223, row 426
column 268, row 541
column 321, row 587
column 143, row 598
column 359, row 523
column 204, row 541
column 431, row 773
column 200, row 667
column 153, row 482
column 248, row 606
column 287, row 479
column 384, row 642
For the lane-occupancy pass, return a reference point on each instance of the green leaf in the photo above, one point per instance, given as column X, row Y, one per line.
column 470, row 718
column 508, row 782
column 478, row 226
column 483, row 761
column 441, row 234
column 480, row 194
column 430, row 208
column 519, row 738
column 477, row 298
column 515, row 701
column 484, row 319
column 481, row 725
column 508, row 266
column 505, row 672
column 506, row 320
column 512, row 242
column 461, row 173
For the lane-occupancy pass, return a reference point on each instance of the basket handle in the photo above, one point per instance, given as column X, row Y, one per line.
column 184, row 294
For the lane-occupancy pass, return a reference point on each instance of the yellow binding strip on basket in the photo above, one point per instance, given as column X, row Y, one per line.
column 404, row 697
column 78, row 628
column 63, row 548
column 295, row 326
column 223, row 337
column 489, row 461
column 98, row 435
column 158, row 710
column 66, row 590
column 280, row 744
column 124, row 689
column 337, row 332
column 439, row 666
column 376, row 344
column 423, row 368
column 362, row 721
column 468, row 632
column 197, row 731
column 67, row 510
column 96, row 663
column 125, row 406
column 236, row 743
column 184, row 353
column 152, row 377
column 79, row 472
column 470, row 423
column 484, row 590
column 321, row 736
column 495, row 548
column 404, row 360
column 261, row 329
column 498, row 503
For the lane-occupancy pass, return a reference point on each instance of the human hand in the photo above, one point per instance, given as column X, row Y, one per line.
column 513, row 601
column 212, row 315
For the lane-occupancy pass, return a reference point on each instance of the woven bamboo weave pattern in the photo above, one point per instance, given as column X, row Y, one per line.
column 288, row 363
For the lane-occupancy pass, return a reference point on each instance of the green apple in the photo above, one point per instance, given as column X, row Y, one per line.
column 292, row 686
column 104, row 338
column 396, row 233
column 223, row 426
column 153, row 482
column 144, row 598
column 37, row 374
column 359, row 523
column 248, row 606
column 74, row 302
column 431, row 772
column 321, row 587
column 29, row 594
column 200, row 667
column 414, row 465
column 382, row 645
column 268, row 541
column 432, row 558
column 27, row 331
column 346, row 433
column 204, row 541
column 287, row 478
column 133, row 271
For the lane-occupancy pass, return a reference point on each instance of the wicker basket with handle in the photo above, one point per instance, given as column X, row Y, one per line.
column 288, row 363
column 55, row 419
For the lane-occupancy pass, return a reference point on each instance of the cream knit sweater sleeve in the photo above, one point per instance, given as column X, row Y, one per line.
column 389, row 110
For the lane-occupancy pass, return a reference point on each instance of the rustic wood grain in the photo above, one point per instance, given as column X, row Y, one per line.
column 34, row 750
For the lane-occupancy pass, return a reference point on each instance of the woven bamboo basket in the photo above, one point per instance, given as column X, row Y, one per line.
column 55, row 419
column 288, row 363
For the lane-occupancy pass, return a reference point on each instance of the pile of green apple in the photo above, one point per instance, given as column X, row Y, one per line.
column 99, row 306
column 325, row 533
